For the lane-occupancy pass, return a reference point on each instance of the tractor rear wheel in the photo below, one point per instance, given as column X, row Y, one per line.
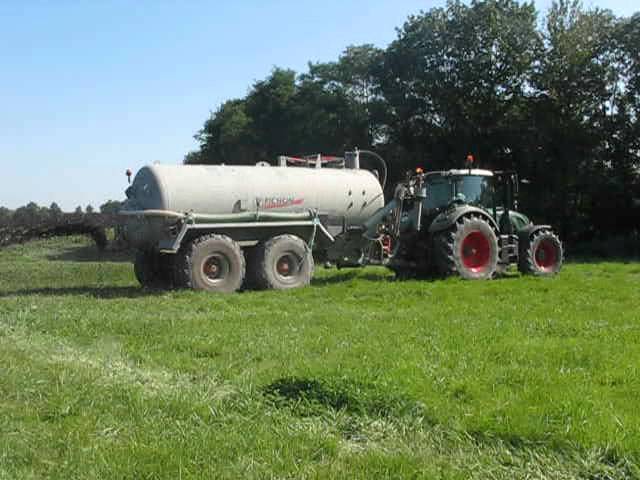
column 281, row 263
column 469, row 249
column 402, row 273
column 153, row 269
column 543, row 255
column 214, row 263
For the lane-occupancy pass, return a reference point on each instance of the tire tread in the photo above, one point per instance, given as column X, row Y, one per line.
column 184, row 262
column 259, row 268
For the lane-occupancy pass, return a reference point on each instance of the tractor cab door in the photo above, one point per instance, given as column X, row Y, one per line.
column 506, row 196
column 505, row 186
column 439, row 193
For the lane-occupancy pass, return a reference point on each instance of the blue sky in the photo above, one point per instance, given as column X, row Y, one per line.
column 91, row 88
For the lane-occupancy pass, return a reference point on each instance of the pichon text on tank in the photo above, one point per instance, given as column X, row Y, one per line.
column 278, row 202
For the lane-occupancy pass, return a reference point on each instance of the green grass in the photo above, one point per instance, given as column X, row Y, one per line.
column 357, row 376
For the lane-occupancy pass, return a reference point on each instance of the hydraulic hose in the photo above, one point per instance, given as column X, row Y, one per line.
column 383, row 180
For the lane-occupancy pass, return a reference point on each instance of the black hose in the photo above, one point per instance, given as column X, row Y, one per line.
column 383, row 180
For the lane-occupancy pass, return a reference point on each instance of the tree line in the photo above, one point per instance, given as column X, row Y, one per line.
column 33, row 215
column 32, row 221
column 556, row 98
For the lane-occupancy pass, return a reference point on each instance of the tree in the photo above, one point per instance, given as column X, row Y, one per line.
column 627, row 157
column 327, row 109
column 6, row 216
column 78, row 210
column 269, row 106
column 111, row 207
column 55, row 212
column 352, row 82
column 572, row 114
column 456, row 80
column 89, row 209
column 196, row 157
column 225, row 137
column 30, row 215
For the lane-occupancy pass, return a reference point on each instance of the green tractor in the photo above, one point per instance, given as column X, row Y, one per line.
column 460, row 222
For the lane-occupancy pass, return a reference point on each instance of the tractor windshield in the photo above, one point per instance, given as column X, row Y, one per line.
column 474, row 189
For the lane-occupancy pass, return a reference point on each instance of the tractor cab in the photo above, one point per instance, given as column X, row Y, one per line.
column 494, row 192
column 464, row 186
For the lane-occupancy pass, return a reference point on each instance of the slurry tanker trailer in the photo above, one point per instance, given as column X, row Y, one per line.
column 219, row 228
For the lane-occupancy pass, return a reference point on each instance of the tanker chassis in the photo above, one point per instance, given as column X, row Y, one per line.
column 220, row 228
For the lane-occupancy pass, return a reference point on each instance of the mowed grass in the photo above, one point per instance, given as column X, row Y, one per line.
column 357, row 376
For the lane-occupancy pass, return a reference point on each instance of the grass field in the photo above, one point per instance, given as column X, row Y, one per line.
column 357, row 376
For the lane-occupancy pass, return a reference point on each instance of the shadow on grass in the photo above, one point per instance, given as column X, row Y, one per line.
column 345, row 276
column 360, row 401
column 91, row 253
column 307, row 397
column 591, row 259
column 311, row 397
column 608, row 461
column 95, row 292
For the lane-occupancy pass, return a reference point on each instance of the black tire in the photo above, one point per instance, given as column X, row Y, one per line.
column 543, row 255
column 153, row 269
column 214, row 263
column 281, row 263
column 402, row 273
column 250, row 260
column 468, row 249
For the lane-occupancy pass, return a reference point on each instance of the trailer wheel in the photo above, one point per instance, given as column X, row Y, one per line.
column 153, row 269
column 250, row 280
column 212, row 262
column 282, row 262
column 543, row 255
column 469, row 249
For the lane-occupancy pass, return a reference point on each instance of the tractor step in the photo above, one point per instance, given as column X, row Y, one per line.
column 508, row 245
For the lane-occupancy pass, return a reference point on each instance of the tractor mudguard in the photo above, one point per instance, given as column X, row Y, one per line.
column 525, row 234
column 450, row 216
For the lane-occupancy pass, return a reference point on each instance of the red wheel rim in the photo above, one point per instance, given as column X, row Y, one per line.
column 546, row 255
column 283, row 266
column 287, row 265
column 216, row 268
column 476, row 251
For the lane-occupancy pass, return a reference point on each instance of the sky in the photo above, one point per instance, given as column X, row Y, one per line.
column 91, row 88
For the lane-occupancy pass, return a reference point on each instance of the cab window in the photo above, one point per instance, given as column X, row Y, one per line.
column 475, row 190
column 438, row 193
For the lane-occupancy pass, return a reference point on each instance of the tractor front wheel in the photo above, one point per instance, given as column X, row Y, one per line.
column 469, row 249
column 543, row 255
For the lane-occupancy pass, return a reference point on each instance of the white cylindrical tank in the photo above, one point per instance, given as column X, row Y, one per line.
column 340, row 195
